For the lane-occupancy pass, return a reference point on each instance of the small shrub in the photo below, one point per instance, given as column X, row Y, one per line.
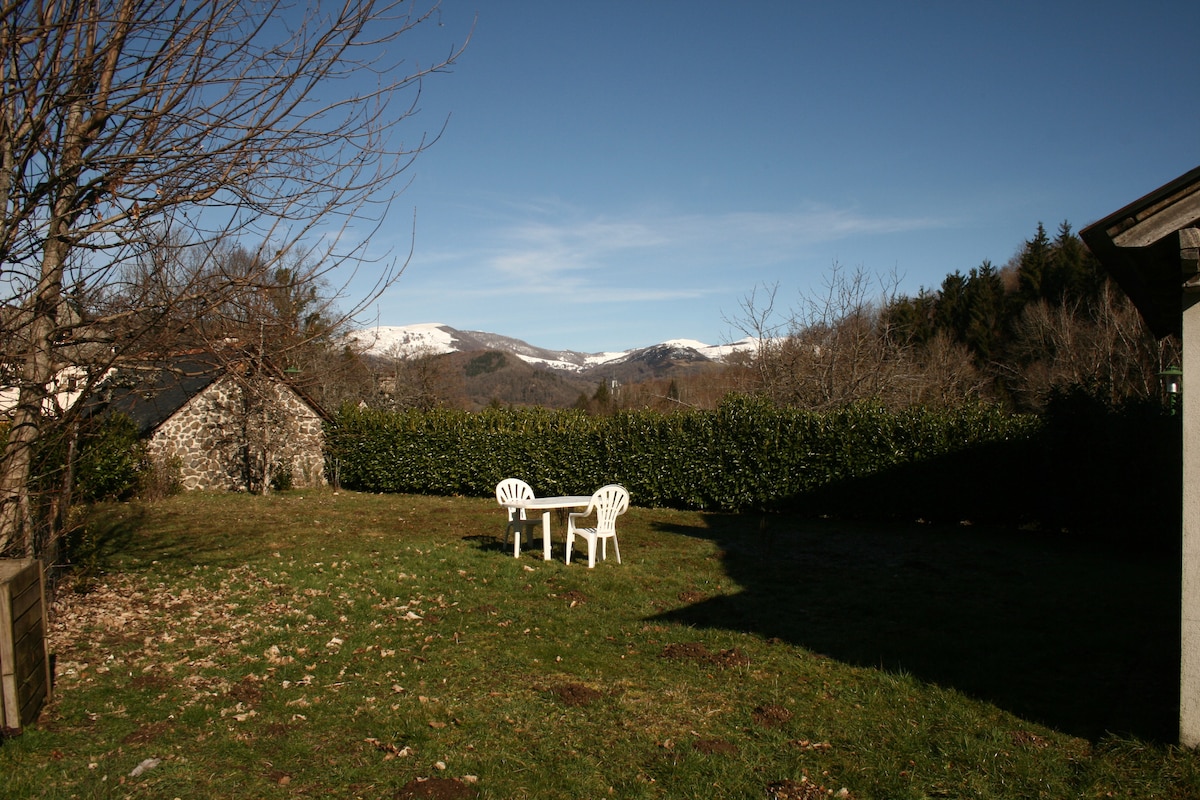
column 162, row 478
column 281, row 478
column 111, row 460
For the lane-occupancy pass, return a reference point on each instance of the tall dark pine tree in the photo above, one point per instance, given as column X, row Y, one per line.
column 952, row 314
column 985, row 311
column 1033, row 265
column 913, row 318
column 1077, row 275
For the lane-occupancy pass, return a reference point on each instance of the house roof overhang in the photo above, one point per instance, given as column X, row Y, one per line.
column 1151, row 247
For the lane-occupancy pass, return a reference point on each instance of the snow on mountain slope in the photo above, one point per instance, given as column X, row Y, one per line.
column 434, row 338
column 430, row 338
column 717, row 352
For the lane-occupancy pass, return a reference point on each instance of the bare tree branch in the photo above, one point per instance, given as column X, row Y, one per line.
column 133, row 132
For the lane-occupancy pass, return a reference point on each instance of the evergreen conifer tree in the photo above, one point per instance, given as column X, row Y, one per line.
column 951, row 314
column 984, row 310
column 1033, row 264
column 1077, row 274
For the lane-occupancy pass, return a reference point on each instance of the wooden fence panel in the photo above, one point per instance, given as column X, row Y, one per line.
column 25, row 681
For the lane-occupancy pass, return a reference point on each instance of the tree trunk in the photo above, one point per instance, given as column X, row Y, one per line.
column 16, row 463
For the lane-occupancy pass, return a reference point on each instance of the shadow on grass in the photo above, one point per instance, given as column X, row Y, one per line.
column 1078, row 636
column 105, row 536
column 114, row 539
column 494, row 543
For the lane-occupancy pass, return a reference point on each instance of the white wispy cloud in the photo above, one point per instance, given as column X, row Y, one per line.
column 566, row 252
column 547, row 269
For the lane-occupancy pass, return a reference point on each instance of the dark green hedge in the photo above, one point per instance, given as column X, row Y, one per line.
column 748, row 454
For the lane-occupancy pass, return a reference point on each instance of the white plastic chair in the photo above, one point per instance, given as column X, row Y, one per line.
column 607, row 503
column 507, row 491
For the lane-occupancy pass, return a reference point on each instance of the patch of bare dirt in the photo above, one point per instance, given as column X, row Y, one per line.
column 147, row 733
column 771, row 716
column 803, row 789
column 575, row 694
column 730, row 658
column 685, row 651
column 438, row 789
column 694, row 651
column 574, row 597
column 247, row 691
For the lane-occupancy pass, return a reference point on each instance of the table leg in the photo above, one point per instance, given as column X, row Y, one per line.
column 546, row 534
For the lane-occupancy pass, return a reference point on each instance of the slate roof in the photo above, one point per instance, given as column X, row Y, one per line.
column 150, row 394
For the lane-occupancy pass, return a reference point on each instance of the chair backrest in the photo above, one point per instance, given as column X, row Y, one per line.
column 513, row 489
column 608, row 502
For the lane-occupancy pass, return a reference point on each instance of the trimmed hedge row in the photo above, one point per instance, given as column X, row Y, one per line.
column 745, row 455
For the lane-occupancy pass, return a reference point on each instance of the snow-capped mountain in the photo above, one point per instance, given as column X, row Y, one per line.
column 435, row 338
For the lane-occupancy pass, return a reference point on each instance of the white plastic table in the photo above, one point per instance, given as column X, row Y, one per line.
column 546, row 505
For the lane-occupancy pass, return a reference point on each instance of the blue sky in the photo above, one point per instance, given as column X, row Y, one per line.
column 616, row 174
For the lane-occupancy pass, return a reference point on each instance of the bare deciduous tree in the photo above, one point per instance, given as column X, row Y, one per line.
column 133, row 130
column 760, row 321
column 837, row 347
column 1103, row 347
column 415, row 378
column 945, row 374
column 841, row 345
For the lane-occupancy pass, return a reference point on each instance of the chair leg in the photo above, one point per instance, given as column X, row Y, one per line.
column 570, row 545
column 515, row 532
column 591, row 552
column 617, row 549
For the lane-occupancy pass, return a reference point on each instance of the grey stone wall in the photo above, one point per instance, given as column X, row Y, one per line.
column 206, row 440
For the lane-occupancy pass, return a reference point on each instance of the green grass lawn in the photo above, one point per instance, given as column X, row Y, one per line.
column 346, row 645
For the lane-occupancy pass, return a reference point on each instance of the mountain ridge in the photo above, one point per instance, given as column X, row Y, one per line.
column 434, row 338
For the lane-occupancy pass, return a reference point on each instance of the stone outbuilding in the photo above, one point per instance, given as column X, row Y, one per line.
column 221, row 425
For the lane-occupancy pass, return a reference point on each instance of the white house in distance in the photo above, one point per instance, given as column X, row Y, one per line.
column 65, row 390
